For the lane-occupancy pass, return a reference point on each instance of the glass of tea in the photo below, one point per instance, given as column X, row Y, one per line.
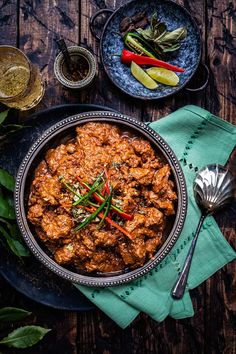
column 21, row 85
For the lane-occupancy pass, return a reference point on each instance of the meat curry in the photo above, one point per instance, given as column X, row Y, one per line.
column 100, row 202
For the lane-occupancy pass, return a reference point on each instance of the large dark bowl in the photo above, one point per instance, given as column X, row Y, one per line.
column 63, row 131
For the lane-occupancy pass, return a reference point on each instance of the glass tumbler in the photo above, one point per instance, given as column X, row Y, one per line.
column 21, row 85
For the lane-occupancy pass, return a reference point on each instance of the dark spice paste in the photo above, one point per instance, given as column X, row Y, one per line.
column 79, row 68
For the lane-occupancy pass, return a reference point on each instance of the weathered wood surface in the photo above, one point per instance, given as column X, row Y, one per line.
column 34, row 26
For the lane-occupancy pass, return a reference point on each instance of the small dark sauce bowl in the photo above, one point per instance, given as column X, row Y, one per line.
column 84, row 68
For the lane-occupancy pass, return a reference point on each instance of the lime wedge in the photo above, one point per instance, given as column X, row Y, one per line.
column 164, row 76
column 143, row 77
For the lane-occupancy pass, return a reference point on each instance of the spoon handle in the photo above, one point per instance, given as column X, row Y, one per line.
column 179, row 288
column 62, row 46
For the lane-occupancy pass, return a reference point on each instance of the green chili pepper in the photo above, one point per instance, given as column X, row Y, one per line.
column 138, row 44
column 74, row 192
column 99, row 198
column 92, row 216
column 69, row 187
column 109, row 200
column 96, row 185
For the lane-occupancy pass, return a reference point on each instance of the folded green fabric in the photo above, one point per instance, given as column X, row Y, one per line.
column 198, row 138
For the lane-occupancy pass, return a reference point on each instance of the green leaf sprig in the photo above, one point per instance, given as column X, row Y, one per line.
column 162, row 40
column 108, row 206
column 3, row 116
column 12, row 314
column 7, row 129
column 96, row 185
column 92, row 216
column 22, row 337
column 9, row 233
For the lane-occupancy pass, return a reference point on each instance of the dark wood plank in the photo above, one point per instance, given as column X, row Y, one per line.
column 41, row 24
column 221, row 57
column 221, row 54
column 62, row 338
column 98, row 334
column 103, row 91
column 9, row 24
column 221, row 288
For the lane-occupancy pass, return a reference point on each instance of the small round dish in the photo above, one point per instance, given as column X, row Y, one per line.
column 65, row 130
column 80, row 53
column 111, row 44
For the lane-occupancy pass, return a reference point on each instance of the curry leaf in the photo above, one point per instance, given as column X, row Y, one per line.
column 6, row 209
column 6, row 180
column 172, row 48
column 15, row 246
column 24, row 337
column 14, row 230
column 9, row 128
column 175, row 36
column 18, row 248
column 3, row 116
column 5, row 222
column 161, row 40
column 10, row 314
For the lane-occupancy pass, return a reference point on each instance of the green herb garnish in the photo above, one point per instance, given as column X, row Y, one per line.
column 62, row 180
column 92, row 192
column 9, row 233
column 7, row 129
column 162, row 40
column 22, row 337
column 96, row 185
column 92, row 216
column 100, row 199
column 109, row 200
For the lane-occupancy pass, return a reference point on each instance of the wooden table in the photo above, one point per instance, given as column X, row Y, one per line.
column 33, row 26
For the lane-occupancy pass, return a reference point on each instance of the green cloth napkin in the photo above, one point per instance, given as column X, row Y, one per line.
column 198, row 138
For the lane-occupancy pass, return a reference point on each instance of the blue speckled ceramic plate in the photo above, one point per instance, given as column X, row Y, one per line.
column 188, row 56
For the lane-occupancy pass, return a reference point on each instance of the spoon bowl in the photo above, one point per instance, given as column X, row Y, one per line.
column 214, row 188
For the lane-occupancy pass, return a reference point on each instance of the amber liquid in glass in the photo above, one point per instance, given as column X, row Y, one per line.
column 20, row 82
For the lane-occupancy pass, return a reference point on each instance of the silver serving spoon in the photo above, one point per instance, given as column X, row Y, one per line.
column 213, row 188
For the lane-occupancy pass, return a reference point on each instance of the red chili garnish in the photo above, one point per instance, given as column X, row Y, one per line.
column 127, row 57
column 110, row 221
column 114, row 208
